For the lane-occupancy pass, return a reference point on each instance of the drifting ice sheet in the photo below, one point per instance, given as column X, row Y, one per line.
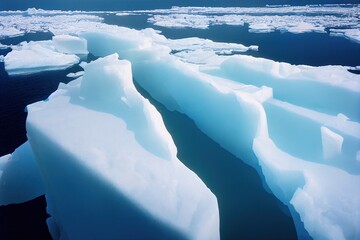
column 293, row 19
column 36, row 57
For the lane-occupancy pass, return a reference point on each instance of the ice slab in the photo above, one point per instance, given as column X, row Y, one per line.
column 117, row 163
column 20, row 178
column 33, row 57
column 352, row 34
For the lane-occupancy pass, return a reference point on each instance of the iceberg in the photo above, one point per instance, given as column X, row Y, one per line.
column 109, row 165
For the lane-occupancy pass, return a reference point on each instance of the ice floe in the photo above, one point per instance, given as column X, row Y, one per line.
column 118, row 176
column 33, row 57
column 339, row 19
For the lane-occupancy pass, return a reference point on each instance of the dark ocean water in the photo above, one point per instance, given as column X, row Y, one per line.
column 247, row 210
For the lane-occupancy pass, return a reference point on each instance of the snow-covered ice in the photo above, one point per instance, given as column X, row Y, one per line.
column 341, row 20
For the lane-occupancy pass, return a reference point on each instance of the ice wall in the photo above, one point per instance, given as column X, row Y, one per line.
column 110, row 166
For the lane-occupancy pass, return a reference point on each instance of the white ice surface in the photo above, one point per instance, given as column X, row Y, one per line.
column 111, row 165
column 17, row 23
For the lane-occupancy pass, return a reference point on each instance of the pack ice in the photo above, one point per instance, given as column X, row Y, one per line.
column 33, row 57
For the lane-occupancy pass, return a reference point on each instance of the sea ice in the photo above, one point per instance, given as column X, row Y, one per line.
column 35, row 57
column 110, row 165
column 293, row 19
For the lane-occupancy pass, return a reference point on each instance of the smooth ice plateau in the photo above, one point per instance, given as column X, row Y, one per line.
column 298, row 126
